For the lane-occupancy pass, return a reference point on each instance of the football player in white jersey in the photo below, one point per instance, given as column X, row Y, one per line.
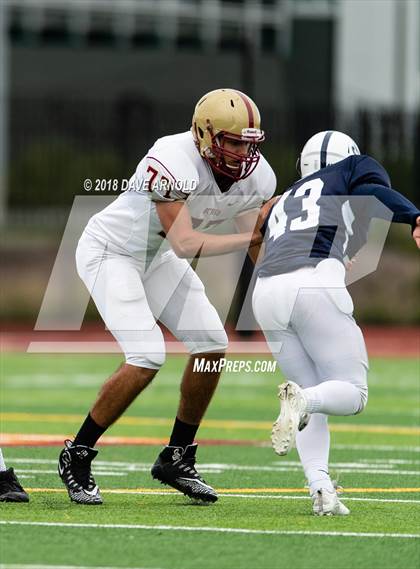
column 132, row 257
column 301, row 302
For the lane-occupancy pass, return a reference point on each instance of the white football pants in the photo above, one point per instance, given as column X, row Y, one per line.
column 131, row 297
column 306, row 317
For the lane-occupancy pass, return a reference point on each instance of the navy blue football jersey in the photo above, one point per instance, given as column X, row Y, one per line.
column 327, row 215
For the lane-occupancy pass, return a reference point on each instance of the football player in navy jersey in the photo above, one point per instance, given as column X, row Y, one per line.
column 301, row 302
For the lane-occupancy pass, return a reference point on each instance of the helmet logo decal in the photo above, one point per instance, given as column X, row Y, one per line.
column 324, row 148
column 251, row 134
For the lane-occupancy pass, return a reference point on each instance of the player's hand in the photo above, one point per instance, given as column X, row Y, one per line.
column 264, row 210
column 416, row 232
column 257, row 236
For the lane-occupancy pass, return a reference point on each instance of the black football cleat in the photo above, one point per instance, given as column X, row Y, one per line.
column 74, row 470
column 10, row 489
column 175, row 467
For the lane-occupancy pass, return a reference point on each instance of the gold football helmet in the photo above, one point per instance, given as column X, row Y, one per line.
column 228, row 116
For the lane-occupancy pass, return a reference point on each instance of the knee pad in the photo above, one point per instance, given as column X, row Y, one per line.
column 144, row 349
column 207, row 341
column 149, row 361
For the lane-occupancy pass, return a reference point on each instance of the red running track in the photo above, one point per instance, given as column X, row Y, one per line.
column 92, row 338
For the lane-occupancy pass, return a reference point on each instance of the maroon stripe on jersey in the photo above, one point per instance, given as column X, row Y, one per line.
column 167, row 169
column 248, row 108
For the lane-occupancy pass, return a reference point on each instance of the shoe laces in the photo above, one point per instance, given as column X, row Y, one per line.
column 82, row 474
column 187, row 465
column 81, row 470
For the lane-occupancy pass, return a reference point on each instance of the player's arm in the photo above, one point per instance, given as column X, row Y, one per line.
column 186, row 242
column 245, row 223
column 255, row 219
column 403, row 210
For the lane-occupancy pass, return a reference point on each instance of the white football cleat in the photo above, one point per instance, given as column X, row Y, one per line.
column 326, row 503
column 292, row 417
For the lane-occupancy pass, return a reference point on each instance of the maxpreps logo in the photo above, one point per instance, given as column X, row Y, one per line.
column 202, row 365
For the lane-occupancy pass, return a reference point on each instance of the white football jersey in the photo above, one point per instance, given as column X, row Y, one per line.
column 173, row 170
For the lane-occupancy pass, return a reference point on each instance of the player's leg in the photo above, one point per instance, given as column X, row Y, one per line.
column 313, row 446
column 10, row 488
column 115, row 285
column 175, row 465
column 177, row 298
column 313, row 441
column 335, row 344
column 116, row 394
column 318, row 307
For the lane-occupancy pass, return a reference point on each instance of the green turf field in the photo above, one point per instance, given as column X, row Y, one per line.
column 263, row 517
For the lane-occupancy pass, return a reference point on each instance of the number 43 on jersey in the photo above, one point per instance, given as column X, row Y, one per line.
column 310, row 209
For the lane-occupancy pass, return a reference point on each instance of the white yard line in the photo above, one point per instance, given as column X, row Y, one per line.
column 364, row 463
column 343, row 498
column 213, row 529
column 264, row 496
column 389, row 461
column 381, row 448
column 101, row 468
column 20, row 566
column 152, row 492
column 45, row 471
column 204, row 470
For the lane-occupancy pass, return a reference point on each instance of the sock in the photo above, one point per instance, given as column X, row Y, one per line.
column 182, row 434
column 2, row 464
column 334, row 398
column 89, row 433
column 313, row 446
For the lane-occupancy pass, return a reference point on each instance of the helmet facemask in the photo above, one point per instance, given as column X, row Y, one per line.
column 229, row 163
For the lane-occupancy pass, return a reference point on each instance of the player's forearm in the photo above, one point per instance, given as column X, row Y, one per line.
column 256, row 253
column 403, row 210
column 188, row 245
column 253, row 253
